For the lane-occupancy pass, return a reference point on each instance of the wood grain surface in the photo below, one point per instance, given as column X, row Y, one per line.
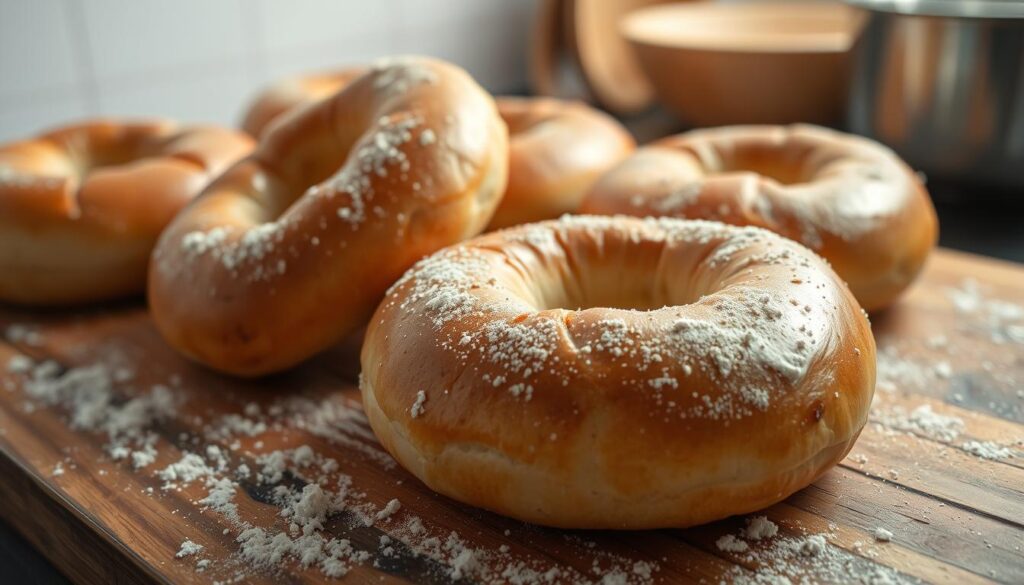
column 952, row 344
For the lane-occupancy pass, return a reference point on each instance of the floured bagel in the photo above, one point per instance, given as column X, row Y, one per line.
column 846, row 197
column 618, row 372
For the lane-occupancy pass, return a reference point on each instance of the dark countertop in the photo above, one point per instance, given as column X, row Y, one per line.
column 21, row 563
column 984, row 221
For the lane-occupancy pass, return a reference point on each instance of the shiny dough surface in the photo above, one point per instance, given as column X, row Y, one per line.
column 557, row 150
column 288, row 94
column 82, row 206
column 294, row 246
column 848, row 198
column 615, row 372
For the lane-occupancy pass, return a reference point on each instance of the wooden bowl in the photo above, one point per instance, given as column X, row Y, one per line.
column 552, row 70
column 715, row 64
column 606, row 61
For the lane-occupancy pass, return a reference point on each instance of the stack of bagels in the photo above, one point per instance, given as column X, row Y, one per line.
column 693, row 345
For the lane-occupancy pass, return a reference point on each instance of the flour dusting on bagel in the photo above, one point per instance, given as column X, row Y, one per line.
column 848, row 198
column 619, row 372
column 338, row 199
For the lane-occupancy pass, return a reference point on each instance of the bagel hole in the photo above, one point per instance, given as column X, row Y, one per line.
column 615, row 285
column 607, row 269
column 608, row 300
column 784, row 172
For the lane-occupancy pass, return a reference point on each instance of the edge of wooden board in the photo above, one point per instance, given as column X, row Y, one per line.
column 51, row 523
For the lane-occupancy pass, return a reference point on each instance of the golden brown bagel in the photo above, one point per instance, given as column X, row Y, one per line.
column 850, row 199
column 82, row 206
column 290, row 93
column 557, row 149
column 292, row 247
column 615, row 372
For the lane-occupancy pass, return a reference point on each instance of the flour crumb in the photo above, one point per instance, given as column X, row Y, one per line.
column 188, row 548
column 21, row 333
column 881, row 534
column 389, row 509
column 417, row 407
column 19, row 364
column 987, row 450
column 760, row 527
column 922, row 421
column 729, row 543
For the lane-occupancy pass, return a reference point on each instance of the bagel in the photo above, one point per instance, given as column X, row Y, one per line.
column 336, row 202
column 82, row 206
column 557, row 149
column 617, row 372
column 290, row 93
column 848, row 198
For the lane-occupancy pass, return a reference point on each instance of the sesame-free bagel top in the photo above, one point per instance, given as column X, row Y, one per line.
column 846, row 197
column 293, row 92
column 292, row 248
column 614, row 372
column 557, row 149
column 81, row 206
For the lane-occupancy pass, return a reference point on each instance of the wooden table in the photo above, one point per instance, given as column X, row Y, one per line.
column 955, row 517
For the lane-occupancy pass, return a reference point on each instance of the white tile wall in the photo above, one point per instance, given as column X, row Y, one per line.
column 36, row 54
column 308, row 23
column 130, row 37
column 201, row 60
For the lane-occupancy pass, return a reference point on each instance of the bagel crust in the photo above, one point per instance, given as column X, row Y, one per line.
column 557, row 150
column 850, row 199
column 615, row 372
column 293, row 247
column 293, row 92
column 82, row 206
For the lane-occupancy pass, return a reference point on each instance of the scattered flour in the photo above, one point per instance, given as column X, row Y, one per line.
column 188, row 548
column 987, row 450
column 88, row 394
column 881, row 534
column 920, row 421
column 388, row 511
column 1001, row 321
column 760, row 527
column 21, row 333
column 802, row 560
column 730, row 543
column 19, row 364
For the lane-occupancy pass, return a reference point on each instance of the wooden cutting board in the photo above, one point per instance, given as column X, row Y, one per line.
column 953, row 344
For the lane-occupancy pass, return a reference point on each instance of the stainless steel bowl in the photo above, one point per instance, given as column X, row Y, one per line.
column 942, row 82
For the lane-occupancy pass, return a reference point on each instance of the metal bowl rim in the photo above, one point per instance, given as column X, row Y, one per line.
column 1001, row 9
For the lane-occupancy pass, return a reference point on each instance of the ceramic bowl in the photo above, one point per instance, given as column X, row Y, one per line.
column 758, row 63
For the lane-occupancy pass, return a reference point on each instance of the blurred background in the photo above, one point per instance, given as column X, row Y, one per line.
column 941, row 81
column 201, row 60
